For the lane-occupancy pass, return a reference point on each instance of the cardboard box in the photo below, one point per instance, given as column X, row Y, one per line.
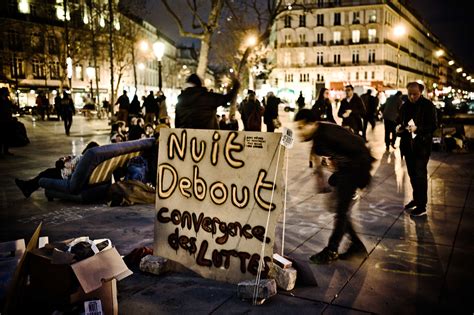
column 56, row 283
column 10, row 255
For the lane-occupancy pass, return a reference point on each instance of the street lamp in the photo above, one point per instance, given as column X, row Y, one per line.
column 159, row 50
column 439, row 53
column 251, row 40
column 398, row 31
column 90, row 71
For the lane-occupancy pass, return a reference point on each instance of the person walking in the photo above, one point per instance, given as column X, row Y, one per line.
column 371, row 104
column 253, row 111
column 57, row 105
column 67, row 111
column 351, row 111
column 417, row 122
column 352, row 162
column 300, row 101
column 124, row 107
column 270, row 116
column 197, row 107
column 390, row 115
column 322, row 108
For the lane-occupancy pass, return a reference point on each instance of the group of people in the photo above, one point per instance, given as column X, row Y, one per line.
column 414, row 121
column 252, row 112
column 154, row 108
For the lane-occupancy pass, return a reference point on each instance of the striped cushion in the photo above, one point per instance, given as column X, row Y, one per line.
column 103, row 171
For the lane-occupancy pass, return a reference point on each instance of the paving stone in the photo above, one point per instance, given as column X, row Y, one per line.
column 266, row 289
column 285, row 278
column 153, row 264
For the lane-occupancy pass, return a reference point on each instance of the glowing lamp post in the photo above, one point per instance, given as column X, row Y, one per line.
column 398, row 31
column 90, row 71
column 159, row 50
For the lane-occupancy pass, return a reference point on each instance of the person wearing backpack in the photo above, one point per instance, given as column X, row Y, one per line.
column 253, row 110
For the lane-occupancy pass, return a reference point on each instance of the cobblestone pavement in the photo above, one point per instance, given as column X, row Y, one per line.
column 414, row 266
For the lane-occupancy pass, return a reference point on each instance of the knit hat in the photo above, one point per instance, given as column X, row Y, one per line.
column 194, row 79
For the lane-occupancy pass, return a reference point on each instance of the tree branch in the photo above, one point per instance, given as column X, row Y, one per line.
column 178, row 21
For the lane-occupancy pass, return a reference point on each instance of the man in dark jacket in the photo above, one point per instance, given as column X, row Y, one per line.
column 390, row 116
column 351, row 111
column 197, row 107
column 124, row 107
column 67, row 111
column 150, row 108
column 371, row 103
column 271, row 111
column 417, row 122
column 352, row 162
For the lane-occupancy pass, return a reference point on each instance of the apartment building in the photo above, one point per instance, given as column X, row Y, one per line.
column 372, row 43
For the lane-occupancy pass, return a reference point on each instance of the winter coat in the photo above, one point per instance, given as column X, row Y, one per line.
column 322, row 109
column 391, row 108
column 271, row 110
column 354, row 121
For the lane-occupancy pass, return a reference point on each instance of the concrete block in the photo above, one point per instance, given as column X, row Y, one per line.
column 154, row 264
column 266, row 289
column 284, row 278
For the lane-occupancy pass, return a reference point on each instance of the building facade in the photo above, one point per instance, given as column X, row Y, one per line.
column 54, row 45
column 369, row 43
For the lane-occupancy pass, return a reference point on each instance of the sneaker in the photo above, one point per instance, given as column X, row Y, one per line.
column 393, row 146
column 418, row 212
column 324, row 257
column 355, row 250
column 387, row 148
column 410, row 205
column 355, row 196
column 23, row 187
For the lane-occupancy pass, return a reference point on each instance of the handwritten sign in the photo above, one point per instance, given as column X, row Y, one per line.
column 214, row 191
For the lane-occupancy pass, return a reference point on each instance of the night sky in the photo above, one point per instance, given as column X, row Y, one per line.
column 451, row 21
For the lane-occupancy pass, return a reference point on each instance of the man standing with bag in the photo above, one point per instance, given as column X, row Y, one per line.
column 417, row 122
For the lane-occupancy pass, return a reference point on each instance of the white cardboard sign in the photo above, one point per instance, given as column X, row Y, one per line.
column 214, row 190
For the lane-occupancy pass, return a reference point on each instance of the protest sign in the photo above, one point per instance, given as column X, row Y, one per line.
column 214, row 191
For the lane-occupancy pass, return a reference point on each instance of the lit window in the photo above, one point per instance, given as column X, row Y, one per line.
column 355, row 36
column 24, row 6
column 372, row 34
column 337, row 37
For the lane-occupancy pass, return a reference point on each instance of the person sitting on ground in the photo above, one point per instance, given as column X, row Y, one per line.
column 149, row 130
column 118, row 132
column 136, row 130
column 64, row 167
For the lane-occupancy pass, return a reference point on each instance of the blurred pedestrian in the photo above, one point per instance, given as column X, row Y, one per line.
column 67, row 111
column 270, row 116
column 351, row 111
column 417, row 122
column 352, row 162
column 371, row 103
column 197, row 108
column 57, row 105
column 161, row 108
column 390, row 112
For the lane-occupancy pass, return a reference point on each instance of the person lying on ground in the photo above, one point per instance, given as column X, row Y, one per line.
column 64, row 167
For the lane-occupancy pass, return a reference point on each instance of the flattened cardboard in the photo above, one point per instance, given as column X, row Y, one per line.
column 103, row 266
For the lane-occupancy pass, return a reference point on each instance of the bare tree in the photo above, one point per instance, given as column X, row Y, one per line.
column 203, row 29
